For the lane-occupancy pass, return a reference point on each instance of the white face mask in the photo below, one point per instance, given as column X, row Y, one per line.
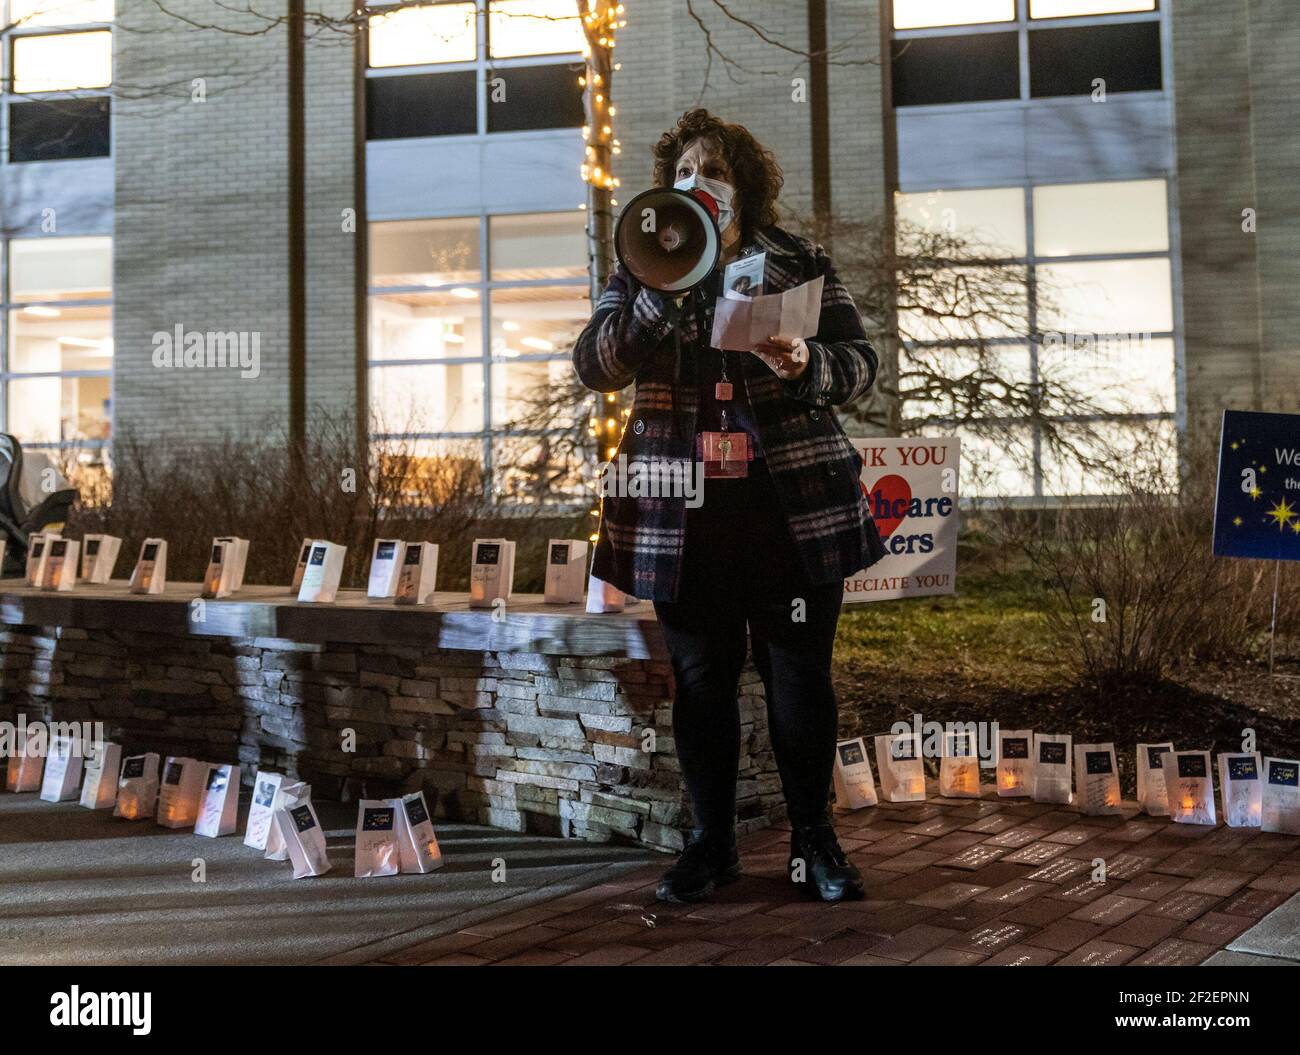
column 720, row 192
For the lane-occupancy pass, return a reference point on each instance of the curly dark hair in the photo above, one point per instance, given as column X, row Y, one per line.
column 755, row 168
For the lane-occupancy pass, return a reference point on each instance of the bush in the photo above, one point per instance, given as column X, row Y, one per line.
column 253, row 488
column 1134, row 591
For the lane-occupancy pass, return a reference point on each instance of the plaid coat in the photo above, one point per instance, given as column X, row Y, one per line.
column 814, row 468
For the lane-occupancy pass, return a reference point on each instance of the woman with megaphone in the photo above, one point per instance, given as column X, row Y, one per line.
column 761, row 560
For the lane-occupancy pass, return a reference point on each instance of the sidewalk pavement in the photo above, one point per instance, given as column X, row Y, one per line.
column 950, row 881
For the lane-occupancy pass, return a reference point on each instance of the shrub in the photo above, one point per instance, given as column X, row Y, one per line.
column 251, row 486
column 1134, row 591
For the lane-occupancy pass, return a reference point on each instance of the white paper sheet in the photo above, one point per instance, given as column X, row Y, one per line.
column 740, row 323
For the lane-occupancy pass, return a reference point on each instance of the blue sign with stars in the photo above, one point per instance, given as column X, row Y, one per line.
column 1257, row 505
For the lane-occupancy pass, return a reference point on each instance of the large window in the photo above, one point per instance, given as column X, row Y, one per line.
column 59, row 58
column 472, row 321
column 1099, row 331
column 953, row 51
column 56, row 333
column 466, row 68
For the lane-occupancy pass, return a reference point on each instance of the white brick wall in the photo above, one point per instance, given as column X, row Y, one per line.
column 201, row 225
column 1238, row 148
column 665, row 60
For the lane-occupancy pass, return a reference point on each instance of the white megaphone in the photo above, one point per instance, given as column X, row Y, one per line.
column 668, row 239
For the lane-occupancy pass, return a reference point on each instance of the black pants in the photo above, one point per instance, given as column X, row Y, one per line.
column 740, row 571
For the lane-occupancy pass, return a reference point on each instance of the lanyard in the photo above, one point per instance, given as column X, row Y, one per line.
column 722, row 391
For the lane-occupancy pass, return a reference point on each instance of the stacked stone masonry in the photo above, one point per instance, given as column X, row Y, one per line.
column 580, row 747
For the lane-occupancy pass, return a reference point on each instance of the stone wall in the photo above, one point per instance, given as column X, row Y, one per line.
column 555, row 745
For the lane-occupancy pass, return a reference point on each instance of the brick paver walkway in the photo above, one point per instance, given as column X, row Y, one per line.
column 950, row 881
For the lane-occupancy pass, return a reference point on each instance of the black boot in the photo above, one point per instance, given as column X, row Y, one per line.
column 826, row 873
column 707, row 862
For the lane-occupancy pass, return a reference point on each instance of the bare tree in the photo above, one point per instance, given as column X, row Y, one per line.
column 955, row 368
column 954, row 319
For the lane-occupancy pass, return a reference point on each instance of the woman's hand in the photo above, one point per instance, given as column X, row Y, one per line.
column 787, row 357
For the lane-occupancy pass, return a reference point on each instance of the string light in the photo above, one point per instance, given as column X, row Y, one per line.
column 601, row 24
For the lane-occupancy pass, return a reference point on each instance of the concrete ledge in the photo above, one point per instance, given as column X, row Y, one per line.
column 529, row 624
column 541, row 719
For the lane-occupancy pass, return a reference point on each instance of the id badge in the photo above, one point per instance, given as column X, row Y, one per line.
column 743, row 277
column 725, row 454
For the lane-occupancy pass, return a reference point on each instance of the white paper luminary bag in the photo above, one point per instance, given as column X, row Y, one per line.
column 261, row 813
column 417, row 843
column 1280, row 805
column 99, row 786
column 98, row 557
column 604, row 597
column 219, row 803
column 1189, row 787
column 37, row 552
column 566, row 571
column 304, row 554
column 1151, row 778
column 237, row 558
column 1096, row 778
column 492, row 572
column 320, row 582
column 288, row 796
column 178, row 795
column 1052, row 767
column 99, row 789
column 959, row 767
column 150, row 574
column 25, row 766
column 1015, row 762
column 385, row 567
column 61, row 564
column 419, row 575
column 219, row 579
column 137, row 788
column 302, row 835
column 377, row 849
column 1242, row 789
column 902, row 770
column 854, row 785
column 62, row 777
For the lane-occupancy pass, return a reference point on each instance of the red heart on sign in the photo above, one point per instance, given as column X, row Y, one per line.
column 887, row 495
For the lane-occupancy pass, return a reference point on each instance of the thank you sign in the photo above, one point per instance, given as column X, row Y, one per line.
column 911, row 487
column 1257, row 504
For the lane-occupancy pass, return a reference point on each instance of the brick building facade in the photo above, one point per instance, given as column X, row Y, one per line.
column 444, row 268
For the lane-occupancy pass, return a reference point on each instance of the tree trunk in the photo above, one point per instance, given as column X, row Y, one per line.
column 599, row 158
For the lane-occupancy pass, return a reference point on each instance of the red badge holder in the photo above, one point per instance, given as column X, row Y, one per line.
column 726, row 455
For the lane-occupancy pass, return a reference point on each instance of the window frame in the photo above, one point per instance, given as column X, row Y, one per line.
column 1023, row 25
column 9, row 96
column 483, row 66
column 8, row 375
column 1031, row 261
column 485, row 286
